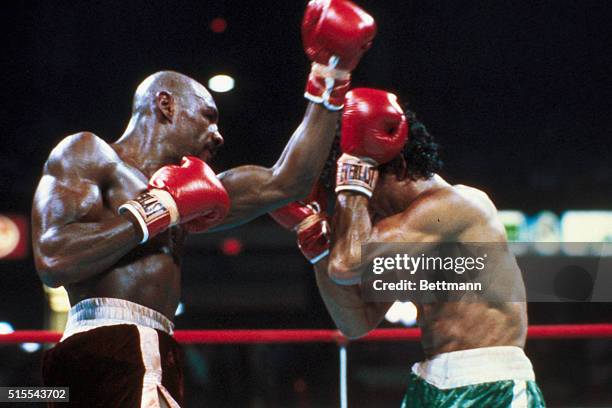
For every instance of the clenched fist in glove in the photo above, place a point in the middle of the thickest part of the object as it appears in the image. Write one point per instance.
(309, 220)
(181, 194)
(374, 131)
(335, 33)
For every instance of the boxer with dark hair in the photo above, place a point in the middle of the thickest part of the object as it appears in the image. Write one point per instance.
(109, 220)
(388, 192)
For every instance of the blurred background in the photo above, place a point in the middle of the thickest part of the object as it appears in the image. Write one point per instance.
(518, 94)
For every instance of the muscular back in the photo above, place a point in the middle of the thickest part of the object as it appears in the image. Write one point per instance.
(81, 243)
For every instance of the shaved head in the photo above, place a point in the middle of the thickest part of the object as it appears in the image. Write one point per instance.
(174, 113)
(182, 88)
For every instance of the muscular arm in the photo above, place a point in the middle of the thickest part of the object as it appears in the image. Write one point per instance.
(352, 315)
(339, 276)
(256, 190)
(71, 241)
(339, 279)
(435, 216)
(440, 215)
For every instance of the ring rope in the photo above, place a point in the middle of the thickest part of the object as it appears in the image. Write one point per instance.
(549, 332)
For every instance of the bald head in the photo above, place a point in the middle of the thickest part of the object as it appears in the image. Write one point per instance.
(175, 114)
(182, 88)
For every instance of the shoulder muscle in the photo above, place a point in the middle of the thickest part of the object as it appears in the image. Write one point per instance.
(70, 186)
(83, 155)
(440, 215)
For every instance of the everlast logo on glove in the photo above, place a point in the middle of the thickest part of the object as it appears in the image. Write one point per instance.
(154, 210)
(355, 174)
(151, 208)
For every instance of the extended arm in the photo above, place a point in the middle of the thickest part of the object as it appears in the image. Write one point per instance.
(335, 36)
(255, 190)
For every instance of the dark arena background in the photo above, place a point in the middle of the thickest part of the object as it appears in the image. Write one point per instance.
(517, 93)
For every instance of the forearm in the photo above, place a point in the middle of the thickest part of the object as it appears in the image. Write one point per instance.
(256, 190)
(352, 228)
(79, 251)
(351, 314)
(343, 303)
(306, 152)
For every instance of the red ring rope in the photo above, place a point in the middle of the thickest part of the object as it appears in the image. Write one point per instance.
(551, 332)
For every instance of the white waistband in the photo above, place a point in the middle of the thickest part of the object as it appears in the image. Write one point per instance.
(475, 366)
(97, 312)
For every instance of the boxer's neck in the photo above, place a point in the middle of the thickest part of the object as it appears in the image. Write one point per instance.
(395, 196)
(144, 145)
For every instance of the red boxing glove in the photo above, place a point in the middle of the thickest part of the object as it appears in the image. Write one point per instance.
(373, 125)
(335, 33)
(374, 131)
(179, 194)
(310, 223)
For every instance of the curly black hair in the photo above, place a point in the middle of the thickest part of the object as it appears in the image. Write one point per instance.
(419, 159)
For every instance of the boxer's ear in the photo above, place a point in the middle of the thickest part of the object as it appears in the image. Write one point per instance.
(165, 104)
(397, 167)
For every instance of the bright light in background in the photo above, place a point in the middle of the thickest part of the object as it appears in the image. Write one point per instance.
(30, 347)
(585, 226)
(9, 236)
(402, 312)
(221, 83)
(180, 309)
(58, 299)
(6, 328)
(545, 231)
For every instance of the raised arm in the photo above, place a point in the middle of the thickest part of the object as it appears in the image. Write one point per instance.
(71, 241)
(335, 34)
(374, 131)
(255, 190)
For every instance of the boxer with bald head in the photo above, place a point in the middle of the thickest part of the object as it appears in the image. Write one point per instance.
(109, 220)
(389, 192)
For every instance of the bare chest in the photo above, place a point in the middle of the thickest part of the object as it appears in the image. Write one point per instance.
(124, 184)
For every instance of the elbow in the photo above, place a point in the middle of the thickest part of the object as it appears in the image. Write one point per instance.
(50, 278)
(354, 333)
(303, 187)
(292, 186)
(296, 190)
(52, 272)
(356, 328)
(342, 272)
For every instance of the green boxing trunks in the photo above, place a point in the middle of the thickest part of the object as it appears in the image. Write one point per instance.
(488, 377)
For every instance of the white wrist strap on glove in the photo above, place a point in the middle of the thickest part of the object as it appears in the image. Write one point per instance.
(356, 174)
(329, 77)
(154, 210)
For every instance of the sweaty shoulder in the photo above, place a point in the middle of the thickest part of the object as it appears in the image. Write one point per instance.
(480, 214)
(82, 155)
(448, 213)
